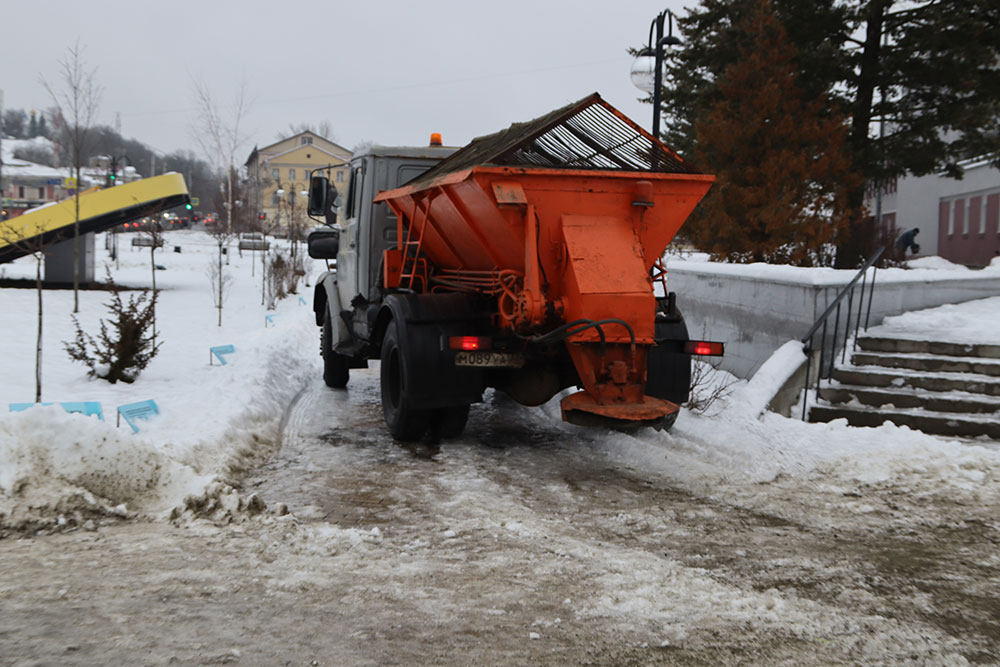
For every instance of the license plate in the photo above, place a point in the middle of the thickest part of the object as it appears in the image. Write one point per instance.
(489, 359)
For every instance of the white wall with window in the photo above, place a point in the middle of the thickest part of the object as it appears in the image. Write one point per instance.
(921, 201)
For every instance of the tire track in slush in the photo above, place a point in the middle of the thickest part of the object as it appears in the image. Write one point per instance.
(520, 490)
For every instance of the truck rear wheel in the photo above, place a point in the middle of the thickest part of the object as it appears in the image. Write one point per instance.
(668, 372)
(404, 422)
(335, 370)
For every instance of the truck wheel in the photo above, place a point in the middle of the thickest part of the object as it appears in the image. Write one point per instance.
(668, 373)
(335, 370)
(449, 422)
(403, 421)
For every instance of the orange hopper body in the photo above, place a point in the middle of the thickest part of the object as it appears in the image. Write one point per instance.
(553, 246)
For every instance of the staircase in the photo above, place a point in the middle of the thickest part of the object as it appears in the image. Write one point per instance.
(940, 388)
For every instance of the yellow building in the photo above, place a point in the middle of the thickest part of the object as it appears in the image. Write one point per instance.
(279, 175)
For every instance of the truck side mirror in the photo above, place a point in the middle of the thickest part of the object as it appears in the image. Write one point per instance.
(324, 243)
(318, 186)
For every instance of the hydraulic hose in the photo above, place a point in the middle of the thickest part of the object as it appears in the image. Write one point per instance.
(576, 326)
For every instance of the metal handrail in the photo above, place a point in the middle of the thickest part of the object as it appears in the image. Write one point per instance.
(820, 325)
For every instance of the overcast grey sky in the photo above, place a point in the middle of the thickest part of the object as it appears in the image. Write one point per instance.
(390, 72)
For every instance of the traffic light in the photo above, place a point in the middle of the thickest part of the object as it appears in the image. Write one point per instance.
(187, 206)
(262, 216)
(113, 177)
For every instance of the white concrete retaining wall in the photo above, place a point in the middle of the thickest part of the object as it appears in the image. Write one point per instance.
(755, 309)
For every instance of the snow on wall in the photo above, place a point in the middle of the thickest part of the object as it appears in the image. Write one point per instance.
(756, 308)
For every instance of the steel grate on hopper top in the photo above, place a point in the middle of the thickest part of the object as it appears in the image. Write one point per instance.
(588, 134)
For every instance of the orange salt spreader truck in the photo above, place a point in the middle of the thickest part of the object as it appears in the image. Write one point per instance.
(528, 261)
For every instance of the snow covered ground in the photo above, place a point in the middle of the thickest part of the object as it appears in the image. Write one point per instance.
(738, 537)
(216, 421)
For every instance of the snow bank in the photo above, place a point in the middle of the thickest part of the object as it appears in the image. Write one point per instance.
(770, 378)
(741, 453)
(54, 463)
(214, 420)
(935, 263)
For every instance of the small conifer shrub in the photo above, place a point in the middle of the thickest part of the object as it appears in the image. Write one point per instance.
(125, 345)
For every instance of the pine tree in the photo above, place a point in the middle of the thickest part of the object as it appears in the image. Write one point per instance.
(125, 345)
(928, 68)
(32, 125)
(780, 162)
(713, 38)
(43, 130)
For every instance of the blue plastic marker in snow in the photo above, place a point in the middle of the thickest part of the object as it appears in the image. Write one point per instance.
(218, 351)
(133, 412)
(21, 407)
(302, 301)
(269, 319)
(86, 408)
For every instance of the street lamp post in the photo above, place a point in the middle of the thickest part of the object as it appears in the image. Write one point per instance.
(281, 197)
(647, 70)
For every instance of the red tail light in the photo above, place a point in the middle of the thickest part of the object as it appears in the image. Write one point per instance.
(469, 343)
(704, 348)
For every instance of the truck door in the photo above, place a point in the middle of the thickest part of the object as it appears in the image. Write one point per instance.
(347, 255)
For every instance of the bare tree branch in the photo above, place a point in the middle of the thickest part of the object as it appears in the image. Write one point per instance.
(220, 137)
(76, 101)
(16, 233)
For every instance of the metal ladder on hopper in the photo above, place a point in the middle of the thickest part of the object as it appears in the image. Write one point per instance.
(414, 268)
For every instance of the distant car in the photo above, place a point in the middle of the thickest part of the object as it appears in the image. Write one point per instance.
(146, 224)
(139, 225)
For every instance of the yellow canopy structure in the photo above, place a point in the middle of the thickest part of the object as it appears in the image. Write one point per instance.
(99, 210)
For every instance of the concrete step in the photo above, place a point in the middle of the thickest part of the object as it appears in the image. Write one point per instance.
(936, 423)
(873, 376)
(880, 344)
(958, 402)
(928, 362)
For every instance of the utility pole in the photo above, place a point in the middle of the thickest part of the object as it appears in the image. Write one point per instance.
(114, 158)
(1, 152)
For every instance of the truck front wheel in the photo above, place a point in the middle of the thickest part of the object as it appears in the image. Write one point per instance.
(335, 370)
(404, 422)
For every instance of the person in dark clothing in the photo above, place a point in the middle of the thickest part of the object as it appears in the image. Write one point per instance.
(907, 241)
